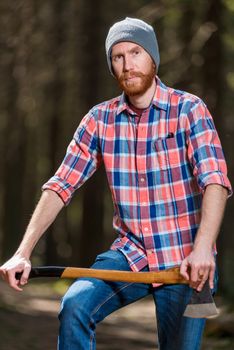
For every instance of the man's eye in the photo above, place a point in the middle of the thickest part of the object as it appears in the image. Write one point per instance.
(116, 58)
(136, 52)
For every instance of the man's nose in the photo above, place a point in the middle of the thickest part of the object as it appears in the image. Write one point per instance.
(128, 64)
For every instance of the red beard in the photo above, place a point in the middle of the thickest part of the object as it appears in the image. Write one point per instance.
(139, 87)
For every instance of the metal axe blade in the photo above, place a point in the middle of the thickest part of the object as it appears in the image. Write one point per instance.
(201, 304)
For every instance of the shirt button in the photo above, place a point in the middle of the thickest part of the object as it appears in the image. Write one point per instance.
(144, 203)
(142, 179)
(146, 229)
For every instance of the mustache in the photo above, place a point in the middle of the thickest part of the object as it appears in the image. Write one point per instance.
(128, 75)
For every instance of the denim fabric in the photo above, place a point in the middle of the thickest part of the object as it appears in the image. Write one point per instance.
(88, 301)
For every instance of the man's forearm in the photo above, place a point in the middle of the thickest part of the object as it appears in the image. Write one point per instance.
(199, 265)
(45, 213)
(213, 206)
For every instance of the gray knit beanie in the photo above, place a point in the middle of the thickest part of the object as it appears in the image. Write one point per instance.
(136, 31)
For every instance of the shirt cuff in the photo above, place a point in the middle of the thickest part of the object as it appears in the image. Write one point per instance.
(216, 178)
(62, 188)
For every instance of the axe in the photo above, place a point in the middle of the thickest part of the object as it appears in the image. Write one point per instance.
(201, 304)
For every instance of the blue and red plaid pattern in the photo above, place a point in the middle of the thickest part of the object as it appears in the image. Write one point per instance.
(157, 166)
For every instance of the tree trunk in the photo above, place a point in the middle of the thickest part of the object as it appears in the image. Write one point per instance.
(20, 27)
(92, 229)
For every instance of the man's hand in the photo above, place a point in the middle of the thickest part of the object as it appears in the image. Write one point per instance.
(46, 211)
(16, 264)
(197, 267)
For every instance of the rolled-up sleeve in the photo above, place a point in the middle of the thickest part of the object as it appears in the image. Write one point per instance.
(204, 149)
(82, 159)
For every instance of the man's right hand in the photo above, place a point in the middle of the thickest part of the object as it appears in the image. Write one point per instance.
(8, 270)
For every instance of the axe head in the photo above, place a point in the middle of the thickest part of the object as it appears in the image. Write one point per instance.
(201, 304)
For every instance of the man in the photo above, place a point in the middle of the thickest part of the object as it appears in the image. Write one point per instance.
(168, 179)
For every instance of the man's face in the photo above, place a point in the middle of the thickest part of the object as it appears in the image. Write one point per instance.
(133, 68)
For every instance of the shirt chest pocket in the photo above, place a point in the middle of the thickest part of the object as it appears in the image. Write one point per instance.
(167, 152)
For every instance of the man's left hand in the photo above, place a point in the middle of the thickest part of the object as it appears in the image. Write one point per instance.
(197, 267)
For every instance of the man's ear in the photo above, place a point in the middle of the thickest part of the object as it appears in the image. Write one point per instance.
(113, 71)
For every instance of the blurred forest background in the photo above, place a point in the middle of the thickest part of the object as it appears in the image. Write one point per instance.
(53, 70)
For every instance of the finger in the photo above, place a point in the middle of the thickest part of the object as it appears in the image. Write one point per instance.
(184, 269)
(2, 274)
(202, 282)
(25, 275)
(203, 275)
(211, 276)
(12, 281)
(2, 271)
(194, 276)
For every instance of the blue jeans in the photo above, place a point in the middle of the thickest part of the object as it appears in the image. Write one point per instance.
(88, 301)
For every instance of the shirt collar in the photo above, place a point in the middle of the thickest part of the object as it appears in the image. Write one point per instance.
(123, 104)
(160, 98)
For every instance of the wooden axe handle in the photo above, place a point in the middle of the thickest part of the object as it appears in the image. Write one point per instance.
(169, 276)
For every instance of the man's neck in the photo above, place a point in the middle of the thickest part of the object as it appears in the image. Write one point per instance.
(143, 101)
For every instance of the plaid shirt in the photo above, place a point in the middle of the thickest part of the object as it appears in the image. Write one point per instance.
(157, 167)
